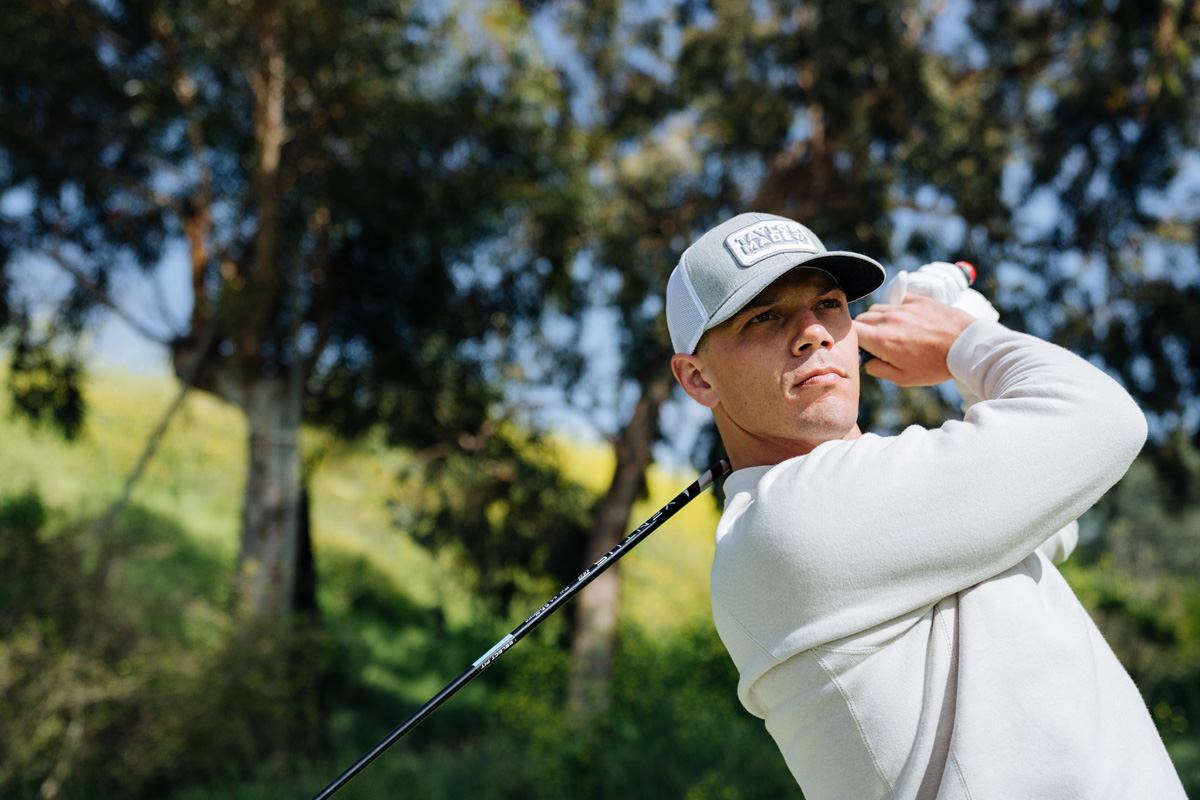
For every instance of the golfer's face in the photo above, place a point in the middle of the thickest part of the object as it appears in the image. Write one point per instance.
(786, 366)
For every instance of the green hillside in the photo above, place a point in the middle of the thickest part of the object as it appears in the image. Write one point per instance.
(197, 473)
(397, 625)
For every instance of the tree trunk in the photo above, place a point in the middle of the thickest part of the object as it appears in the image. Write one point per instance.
(267, 565)
(588, 690)
(269, 387)
(304, 598)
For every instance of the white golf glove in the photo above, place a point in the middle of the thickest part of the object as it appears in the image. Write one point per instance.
(947, 283)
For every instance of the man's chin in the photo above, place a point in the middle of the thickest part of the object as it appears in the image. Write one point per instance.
(835, 423)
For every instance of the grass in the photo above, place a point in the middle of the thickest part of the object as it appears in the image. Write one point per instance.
(197, 475)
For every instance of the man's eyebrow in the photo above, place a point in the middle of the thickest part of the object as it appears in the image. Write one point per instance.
(760, 301)
(765, 300)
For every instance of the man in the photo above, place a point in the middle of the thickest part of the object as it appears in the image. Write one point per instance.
(884, 598)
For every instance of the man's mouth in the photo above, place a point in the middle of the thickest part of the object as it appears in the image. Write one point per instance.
(822, 377)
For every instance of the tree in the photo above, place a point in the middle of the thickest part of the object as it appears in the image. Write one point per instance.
(372, 195)
(1106, 104)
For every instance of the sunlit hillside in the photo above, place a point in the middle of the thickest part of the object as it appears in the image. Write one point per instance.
(196, 475)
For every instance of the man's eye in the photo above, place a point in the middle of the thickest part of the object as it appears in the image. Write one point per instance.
(830, 302)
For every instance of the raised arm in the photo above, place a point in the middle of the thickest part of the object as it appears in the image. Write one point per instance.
(857, 533)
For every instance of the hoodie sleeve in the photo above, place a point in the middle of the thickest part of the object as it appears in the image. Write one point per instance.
(860, 532)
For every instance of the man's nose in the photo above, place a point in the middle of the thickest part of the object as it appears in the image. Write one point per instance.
(811, 333)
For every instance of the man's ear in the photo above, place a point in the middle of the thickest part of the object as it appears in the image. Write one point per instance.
(689, 372)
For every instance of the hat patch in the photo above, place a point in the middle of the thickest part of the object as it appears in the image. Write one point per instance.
(755, 242)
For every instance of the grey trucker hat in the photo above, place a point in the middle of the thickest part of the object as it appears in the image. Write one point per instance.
(728, 266)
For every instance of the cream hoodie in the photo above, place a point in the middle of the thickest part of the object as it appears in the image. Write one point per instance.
(893, 620)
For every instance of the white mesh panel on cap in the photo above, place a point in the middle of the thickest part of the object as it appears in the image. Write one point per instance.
(686, 316)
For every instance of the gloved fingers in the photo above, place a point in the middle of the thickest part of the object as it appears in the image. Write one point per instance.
(976, 305)
(893, 293)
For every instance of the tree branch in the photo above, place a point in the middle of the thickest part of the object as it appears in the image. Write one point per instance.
(103, 298)
(197, 215)
(105, 523)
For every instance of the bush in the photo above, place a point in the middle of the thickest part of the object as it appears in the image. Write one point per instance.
(122, 674)
(675, 730)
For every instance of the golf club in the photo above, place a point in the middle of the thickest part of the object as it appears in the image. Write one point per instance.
(607, 560)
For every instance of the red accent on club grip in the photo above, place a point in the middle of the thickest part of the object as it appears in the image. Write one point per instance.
(969, 269)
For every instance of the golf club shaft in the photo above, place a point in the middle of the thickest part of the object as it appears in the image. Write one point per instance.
(588, 575)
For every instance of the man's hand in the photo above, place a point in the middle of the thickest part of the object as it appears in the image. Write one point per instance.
(910, 341)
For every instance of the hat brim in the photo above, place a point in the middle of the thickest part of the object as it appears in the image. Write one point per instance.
(856, 274)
